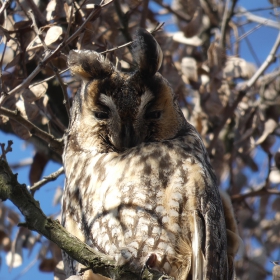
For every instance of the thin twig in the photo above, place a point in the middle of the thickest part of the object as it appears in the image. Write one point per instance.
(251, 48)
(7, 150)
(262, 191)
(180, 15)
(145, 5)
(116, 48)
(70, 21)
(54, 69)
(5, 5)
(47, 179)
(243, 88)
(55, 144)
(49, 78)
(228, 14)
(242, 12)
(1, 65)
(19, 89)
(123, 18)
(39, 16)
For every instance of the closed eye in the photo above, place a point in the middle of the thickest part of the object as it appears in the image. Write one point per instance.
(101, 115)
(153, 115)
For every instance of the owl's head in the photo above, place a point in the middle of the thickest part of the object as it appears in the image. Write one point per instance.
(115, 111)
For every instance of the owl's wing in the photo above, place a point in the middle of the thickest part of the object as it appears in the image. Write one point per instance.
(197, 255)
(209, 256)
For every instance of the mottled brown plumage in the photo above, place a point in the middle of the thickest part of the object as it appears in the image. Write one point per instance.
(139, 184)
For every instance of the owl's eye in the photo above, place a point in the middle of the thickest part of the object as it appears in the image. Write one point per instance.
(101, 115)
(153, 115)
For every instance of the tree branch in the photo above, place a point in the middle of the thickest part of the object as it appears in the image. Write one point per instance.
(243, 88)
(5, 5)
(47, 179)
(55, 144)
(18, 89)
(259, 192)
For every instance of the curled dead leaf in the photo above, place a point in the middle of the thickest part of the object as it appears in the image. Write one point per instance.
(269, 127)
(37, 167)
(237, 67)
(194, 26)
(216, 58)
(14, 62)
(27, 110)
(181, 38)
(47, 265)
(55, 10)
(35, 92)
(20, 130)
(6, 244)
(53, 35)
(189, 69)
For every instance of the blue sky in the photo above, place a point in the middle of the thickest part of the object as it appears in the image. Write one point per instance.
(262, 42)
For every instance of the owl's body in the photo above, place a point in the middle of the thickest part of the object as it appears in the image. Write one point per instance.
(138, 179)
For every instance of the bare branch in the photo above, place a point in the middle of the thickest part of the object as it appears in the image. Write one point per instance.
(228, 14)
(259, 192)
(39, 16)
(145, 4)
(47, 179)
(242, 12)
(178, 14)
(7, 150)
(19, 89)
(55, 144)
(243, 88)
(5, 5)
(123, 18)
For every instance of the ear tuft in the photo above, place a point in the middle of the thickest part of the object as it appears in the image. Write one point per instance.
(146, 53)
(89, 64)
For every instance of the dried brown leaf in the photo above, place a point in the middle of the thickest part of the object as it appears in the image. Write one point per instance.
(22, 24)
(6, 243)
(20, 130)
(269, 127)
(181, 38)
(34, 45)
(27, 110)
(216, 58)
(35, 92)
(53, 35)
(189, 69)
(55, 10)
(194, 26)
(47, 265)
(37, 167)
(15, 60)
(237, 67)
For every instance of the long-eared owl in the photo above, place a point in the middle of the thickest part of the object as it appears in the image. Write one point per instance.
(138, 178)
